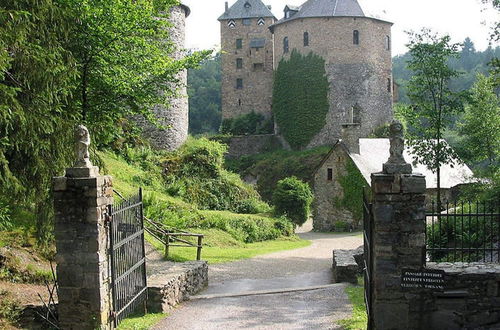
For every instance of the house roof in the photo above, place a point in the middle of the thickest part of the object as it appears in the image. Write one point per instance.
(247, 9)
(374, 152)
(330, 8)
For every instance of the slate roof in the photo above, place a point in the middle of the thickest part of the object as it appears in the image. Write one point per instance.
(329, 8)
(374, 152)
(238, 10)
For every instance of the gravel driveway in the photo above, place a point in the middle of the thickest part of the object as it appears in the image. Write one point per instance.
(280, 271)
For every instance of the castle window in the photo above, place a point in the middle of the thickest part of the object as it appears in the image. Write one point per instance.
(329, 174)
(387, 42)
(239, 83)
(231, 23)
(239, 63)
(306, 39)
(258, 67)
(239, 43)
(356, 114)
(355, 37)
(389, 85)
(247, 21)
(261, 21)
(285, 45)
(239, 102)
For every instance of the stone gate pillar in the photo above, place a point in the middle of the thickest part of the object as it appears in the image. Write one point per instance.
(80, 200)
(398, 237)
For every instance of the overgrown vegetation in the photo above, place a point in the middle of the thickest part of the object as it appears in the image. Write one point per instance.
(10, 309)
(250, 124)
(352, 184)
(300, 98)
(292, 198)
(269, 168)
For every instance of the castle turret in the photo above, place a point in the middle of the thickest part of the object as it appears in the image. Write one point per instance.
(247, 58)
(174, 117)
(356, 47)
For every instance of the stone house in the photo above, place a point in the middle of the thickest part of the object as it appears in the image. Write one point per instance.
(339, 179)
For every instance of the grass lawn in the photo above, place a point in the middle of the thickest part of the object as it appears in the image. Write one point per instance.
(141, 321)
(359, 319)
(228, 249)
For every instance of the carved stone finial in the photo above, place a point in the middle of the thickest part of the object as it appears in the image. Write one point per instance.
(82, 144)
(396, 163)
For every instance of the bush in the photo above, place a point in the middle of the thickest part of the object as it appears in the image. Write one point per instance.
(341, 226)
(5, 216)
(293, 198)
(249, 124)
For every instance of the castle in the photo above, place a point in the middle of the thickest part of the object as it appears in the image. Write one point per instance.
(356, 48)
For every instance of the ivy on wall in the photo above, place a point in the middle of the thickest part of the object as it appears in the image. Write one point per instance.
(352, 184)
(300, 98)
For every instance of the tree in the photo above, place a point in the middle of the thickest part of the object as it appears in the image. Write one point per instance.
(204, 97)
(433, 104)
(125, 58)
(480, 125)
(293, 198)
(37, 78)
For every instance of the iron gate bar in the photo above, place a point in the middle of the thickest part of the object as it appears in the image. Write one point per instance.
(127, 254)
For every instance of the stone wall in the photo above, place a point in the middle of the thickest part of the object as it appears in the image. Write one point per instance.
(247, 145)
(174, 117)
(329, 193)
(256, 93)
(359, 75)
(471, 299)
(171, 286)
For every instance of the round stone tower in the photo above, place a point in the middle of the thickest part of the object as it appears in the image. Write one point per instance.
(356, 47)
(175, 116)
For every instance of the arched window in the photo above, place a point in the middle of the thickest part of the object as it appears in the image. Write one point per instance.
(387, 42)
(285, 45)
(355, 37)
(306, 39)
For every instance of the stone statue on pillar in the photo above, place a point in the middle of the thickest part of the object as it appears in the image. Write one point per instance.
(83, 167)
(396, 163)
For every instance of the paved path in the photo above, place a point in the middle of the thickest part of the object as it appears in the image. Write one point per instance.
(281, 271)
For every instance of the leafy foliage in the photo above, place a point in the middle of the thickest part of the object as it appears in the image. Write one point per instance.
(293, 198)
(352, 184)
(249, 124)
(269, 168)
(480, 125)
(433, 103)
(195, 173)
(204, 86)
(300, 98)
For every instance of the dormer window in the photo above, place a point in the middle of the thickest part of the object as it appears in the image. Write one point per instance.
(247, 5)
(261, 21)
(231, 23)
(290, 11)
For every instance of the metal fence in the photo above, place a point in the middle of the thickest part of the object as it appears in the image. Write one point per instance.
(463, 232)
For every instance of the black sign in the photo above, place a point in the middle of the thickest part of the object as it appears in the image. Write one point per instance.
(423, 279)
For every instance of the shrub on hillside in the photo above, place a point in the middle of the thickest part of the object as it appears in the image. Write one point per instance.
(195, 173)
(293, 198)
(251, 123)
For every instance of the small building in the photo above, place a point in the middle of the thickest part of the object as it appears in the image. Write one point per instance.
(339, 180)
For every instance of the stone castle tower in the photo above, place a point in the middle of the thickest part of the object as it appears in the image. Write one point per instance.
(247, 59)
(174, 117)
(355, 45)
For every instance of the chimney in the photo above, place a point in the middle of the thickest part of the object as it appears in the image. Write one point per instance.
(350, 137)
(227, 7)
(269, 7)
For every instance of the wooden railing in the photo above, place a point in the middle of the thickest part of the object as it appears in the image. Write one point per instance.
(168, 235)
(171, 237)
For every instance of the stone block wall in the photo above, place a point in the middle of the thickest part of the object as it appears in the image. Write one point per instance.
(82, 246)
(471, 299)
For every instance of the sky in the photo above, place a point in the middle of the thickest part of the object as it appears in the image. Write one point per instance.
(458, 18)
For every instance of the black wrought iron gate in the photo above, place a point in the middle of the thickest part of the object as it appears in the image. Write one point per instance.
(128, 258)
(368, 255)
